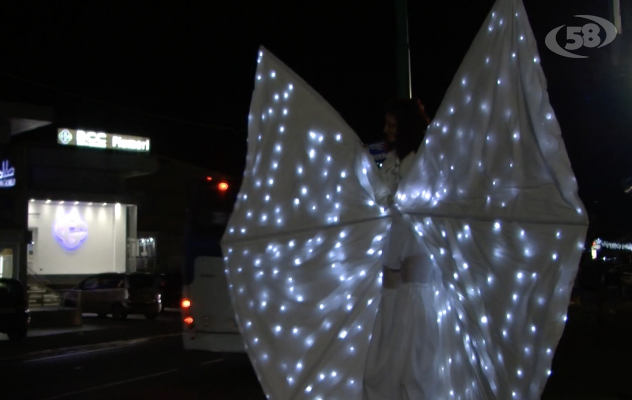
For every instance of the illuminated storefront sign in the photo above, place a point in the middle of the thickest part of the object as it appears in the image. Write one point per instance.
(599, 244)
(7, 175)
(101, 140)
(70, 231)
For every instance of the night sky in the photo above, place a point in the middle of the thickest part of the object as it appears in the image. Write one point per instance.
(182, 72)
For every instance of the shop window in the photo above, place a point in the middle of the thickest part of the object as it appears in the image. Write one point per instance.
(146, 247)
(6, 262)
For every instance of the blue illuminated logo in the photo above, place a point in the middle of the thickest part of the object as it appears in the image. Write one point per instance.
(70, 231)
(7, 175)
(65, 136)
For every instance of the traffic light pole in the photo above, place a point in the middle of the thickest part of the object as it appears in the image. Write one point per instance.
(404, 88)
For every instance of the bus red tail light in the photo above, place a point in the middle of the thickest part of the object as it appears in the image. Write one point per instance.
(188, 320)
(186, 303)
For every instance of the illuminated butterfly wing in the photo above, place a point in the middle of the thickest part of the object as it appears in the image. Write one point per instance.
(494, 197)
(302, 245)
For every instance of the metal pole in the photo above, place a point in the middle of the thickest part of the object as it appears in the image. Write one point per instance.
(404, 88)
(617, 15)
(616, 46)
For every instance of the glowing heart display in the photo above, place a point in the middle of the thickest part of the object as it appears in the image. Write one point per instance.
(70, 231)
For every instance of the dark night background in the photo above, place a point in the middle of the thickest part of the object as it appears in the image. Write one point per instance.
(182, 73)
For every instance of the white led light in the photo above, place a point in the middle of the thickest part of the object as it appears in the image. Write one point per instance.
(286, 276)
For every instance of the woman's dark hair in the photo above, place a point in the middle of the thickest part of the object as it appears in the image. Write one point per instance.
(412, 123)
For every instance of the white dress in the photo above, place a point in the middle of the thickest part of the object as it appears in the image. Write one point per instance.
(399, 242)
(404, 340)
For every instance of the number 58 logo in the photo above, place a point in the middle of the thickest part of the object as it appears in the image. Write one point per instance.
(582, 36)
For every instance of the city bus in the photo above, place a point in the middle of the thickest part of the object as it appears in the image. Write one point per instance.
(208, 317)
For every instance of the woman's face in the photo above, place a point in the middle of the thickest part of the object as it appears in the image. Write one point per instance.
(390, 128)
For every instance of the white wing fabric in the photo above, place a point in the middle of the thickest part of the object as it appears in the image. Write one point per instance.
(303, 243)
(492, 196)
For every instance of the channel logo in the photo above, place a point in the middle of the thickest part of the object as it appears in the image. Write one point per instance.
(582, 36)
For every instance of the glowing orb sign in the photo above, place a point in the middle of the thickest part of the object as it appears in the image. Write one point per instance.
(70, 231)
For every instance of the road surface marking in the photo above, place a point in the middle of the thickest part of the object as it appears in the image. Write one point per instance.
(76, 353)
(212, 361)
(109, 385)
(76, 350)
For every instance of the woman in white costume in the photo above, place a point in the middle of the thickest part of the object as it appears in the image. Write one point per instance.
(400, 359)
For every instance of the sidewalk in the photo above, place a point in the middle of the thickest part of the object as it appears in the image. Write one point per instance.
(94, 331)
(57, 331)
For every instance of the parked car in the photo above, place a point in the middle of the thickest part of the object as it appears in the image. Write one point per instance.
(14, 313)
(117, 294)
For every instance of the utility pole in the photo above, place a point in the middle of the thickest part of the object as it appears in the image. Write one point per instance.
(616, 46)
(616, 5)
(404, 88)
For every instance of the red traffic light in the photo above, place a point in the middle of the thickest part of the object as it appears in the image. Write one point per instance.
(208, 178)
(223, 186)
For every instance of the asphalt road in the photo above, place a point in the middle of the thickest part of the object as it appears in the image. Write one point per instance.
(139, 359)
(153, 369)
(94, 330)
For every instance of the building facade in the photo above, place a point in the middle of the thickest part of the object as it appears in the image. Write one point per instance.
(78, 202)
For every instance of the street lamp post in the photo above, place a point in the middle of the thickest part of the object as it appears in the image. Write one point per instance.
(404, 88)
